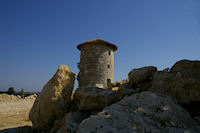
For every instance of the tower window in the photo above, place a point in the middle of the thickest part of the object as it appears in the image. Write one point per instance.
(109, 52)
(108, 66)
(109, 84)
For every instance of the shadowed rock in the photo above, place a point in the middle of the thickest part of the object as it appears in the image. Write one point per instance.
(70, 122)
(182, 83)
(94, 98)
(187, 68)
(139, 75)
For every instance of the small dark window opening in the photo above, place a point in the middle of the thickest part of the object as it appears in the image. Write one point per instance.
(108, 66)
(109, 52)
(109, 84)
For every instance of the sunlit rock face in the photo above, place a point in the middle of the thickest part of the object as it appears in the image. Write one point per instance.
(141, 112)
(54, 100)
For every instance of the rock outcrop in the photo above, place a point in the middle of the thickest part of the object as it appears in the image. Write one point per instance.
(141, 77)
(94, 98)
(150, 101)
(141, 112)
(53, 102)
(187, 69)
(138, 75)
(182, 83)
(183, 89)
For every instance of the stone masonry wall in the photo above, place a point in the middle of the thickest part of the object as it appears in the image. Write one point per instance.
(96, 65)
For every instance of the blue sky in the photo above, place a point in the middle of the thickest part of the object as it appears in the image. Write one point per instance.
(36, 36)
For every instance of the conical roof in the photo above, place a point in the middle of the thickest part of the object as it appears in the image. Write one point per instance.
(99, 42)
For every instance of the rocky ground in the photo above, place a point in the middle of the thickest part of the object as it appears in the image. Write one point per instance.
(149, 100)
(14, 111)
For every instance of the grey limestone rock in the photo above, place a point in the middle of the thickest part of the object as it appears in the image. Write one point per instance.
(141, 113)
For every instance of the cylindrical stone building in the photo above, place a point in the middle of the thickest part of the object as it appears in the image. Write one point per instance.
(96, 63)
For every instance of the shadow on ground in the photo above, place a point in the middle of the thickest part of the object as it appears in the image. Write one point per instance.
(25, 129)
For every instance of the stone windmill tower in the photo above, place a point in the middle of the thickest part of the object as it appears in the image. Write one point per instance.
(96, 63)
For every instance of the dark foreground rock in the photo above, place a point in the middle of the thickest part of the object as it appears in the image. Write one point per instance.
(142, 112)
(70, 122)
(53, 102)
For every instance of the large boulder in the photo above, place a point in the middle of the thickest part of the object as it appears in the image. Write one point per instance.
(94, 98)
(138, 75)
(141, 112)
(182, 83)
(188, 69)
(141, 77)
(183, 89)
(53, 101)
(162, 83)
